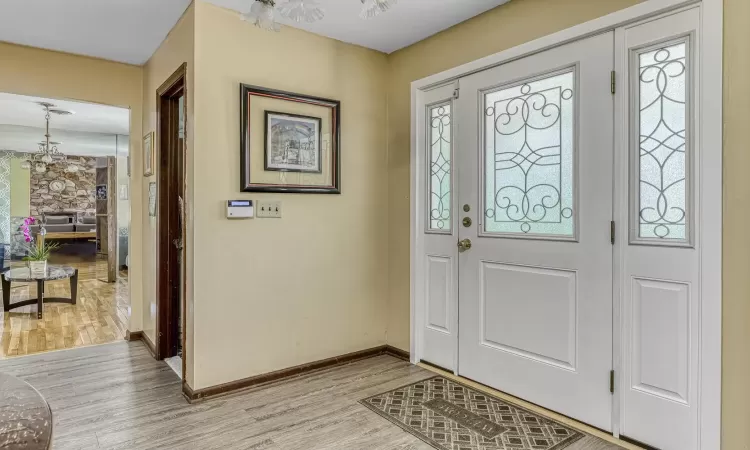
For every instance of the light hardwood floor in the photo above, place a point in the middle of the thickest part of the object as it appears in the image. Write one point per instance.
(117, 396)
(100, 316)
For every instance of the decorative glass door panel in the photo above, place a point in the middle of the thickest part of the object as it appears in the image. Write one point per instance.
(663, 151)
(529, 157)
(439, 156)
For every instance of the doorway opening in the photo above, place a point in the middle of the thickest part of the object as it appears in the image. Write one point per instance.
(170, 228)
(64, 166)
(540, 273)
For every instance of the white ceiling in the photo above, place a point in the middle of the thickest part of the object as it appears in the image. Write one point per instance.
(408, 22)
(128, 31)
(90, 131)
(25, 111)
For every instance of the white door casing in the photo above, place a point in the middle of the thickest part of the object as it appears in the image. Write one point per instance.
(535, 165)
(658, 181)
(439, 228)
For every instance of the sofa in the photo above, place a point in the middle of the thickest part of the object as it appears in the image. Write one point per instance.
(65, 223)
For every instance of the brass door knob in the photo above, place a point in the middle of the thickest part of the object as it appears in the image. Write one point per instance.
(464, 245)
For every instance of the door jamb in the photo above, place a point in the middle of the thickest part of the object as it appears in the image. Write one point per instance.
(709, 404)
(177, 81)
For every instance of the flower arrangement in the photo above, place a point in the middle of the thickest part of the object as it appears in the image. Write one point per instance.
(40, 251)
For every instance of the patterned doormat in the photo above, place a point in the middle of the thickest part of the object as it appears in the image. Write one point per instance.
(451, 416)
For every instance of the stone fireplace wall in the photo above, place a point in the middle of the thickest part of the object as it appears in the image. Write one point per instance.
(79, 193)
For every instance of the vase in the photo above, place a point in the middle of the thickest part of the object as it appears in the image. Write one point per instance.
(38, 269)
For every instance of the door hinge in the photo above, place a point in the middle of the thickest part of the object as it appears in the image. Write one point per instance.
(456, 93)
(613, 81)
(612, 232)
(611, 381)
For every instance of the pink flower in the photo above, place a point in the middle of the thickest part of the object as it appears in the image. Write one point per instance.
(25, 227)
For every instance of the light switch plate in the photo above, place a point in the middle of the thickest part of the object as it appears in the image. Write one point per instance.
(268, 210)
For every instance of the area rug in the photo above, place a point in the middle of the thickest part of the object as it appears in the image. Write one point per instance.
(451, 416)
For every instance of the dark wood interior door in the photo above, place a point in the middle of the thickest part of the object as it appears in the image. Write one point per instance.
(170, 209)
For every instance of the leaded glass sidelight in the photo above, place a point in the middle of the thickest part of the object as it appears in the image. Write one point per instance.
(529, 157)
(439, 133)
(662, 157)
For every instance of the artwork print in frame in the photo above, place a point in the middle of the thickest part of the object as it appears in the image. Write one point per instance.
(152, 199)
(148, 154)
(292, 143)
(289, 142)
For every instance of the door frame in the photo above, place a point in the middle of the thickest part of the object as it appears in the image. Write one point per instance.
(711, 72)
(166, 253)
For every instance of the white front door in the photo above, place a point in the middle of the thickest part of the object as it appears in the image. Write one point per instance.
(534, 160)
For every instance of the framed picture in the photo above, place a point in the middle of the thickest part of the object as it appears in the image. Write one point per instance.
(289, 142)
(152, 199)
(148, 154)
(292, 143)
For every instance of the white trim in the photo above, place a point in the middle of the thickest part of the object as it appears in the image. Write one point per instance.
(415, 236)
(710, 196)
(711, 202)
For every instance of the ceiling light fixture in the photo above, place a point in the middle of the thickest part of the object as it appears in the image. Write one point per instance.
(262, 13)
(302, 11)
(48, 152)
(372, 8)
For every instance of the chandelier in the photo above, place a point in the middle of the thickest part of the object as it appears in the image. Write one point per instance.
(262, 13)
(48, 152)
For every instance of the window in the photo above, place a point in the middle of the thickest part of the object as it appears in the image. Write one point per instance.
(529, 157)
(662, 143)
(440, 176)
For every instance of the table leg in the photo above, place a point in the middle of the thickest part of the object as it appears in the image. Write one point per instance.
(6, 294)
(40, 298)
(74, 286)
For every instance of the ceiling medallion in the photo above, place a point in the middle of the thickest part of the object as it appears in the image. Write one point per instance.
(48, 152)
(262, 13)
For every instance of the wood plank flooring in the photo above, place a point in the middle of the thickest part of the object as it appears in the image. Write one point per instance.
(101, 315)
(117, 396)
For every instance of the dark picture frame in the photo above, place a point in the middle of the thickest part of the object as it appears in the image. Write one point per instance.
(267, 149)
(246, 182)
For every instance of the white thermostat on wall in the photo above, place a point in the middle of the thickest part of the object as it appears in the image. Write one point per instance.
(240, 209)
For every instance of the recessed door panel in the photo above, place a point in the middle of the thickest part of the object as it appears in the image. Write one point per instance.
(439, 274)
(661, 338)
(530, 312)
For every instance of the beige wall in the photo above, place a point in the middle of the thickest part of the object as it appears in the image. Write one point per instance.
(736, 247)
(177, 48)
(501, 28)
(20, 189)
(274, 293)
(43, 73)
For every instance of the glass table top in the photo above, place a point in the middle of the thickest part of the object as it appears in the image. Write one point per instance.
(54, 272)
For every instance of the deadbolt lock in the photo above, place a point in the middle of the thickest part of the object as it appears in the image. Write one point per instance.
(464, 245)
(467, 208)
(466, 221)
